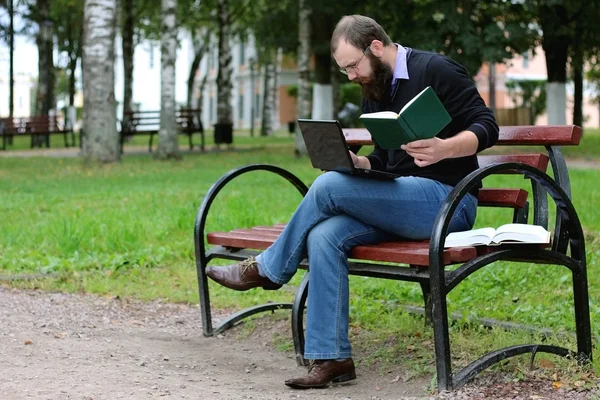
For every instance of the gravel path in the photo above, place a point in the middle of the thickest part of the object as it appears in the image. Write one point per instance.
(74, 346)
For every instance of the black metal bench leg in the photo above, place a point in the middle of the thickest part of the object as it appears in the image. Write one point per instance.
(150, 143)
(582, 316)
(521, 215)
(425, 288)
(441, 336)
(201, 263)
(297, 320)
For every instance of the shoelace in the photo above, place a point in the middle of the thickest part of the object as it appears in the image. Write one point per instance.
(247, 264)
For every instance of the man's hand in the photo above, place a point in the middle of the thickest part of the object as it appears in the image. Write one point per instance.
(427, 151)
(360, 161)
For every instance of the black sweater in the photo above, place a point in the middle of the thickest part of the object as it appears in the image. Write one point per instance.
(459, 95)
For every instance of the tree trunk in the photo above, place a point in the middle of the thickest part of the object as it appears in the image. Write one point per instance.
(11, 50)
(322, 107)
(45, 94)
(201, 44)
(577, 66)
(275, 114)
(128, 52)
(492, 86)
(168, 147)
(335, 89)
(268, 99)
(556, 45)
(578, 93)
(303, 97)
(224, 126)
(101, 142)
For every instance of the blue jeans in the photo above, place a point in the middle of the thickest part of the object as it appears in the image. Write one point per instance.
(339, 212)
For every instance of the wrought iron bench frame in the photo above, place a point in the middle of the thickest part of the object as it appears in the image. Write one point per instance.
(426, 262)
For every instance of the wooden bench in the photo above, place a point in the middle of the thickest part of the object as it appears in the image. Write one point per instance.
(424, 262)
(148, 123)
(38, 128)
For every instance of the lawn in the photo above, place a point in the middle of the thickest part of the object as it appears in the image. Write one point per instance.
(126, 229)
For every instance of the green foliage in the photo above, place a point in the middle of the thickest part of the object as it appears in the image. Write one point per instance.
(467, 31)
(532, 94)
(350, 93)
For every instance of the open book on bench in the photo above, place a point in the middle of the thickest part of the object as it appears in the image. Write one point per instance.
(505, 234)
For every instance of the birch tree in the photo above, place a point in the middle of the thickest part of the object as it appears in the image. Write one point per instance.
(167, 133)
(303, 105)
(269, 90)
(224, 126)
(101, 142)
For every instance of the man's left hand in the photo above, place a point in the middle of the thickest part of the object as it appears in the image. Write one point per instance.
(427, 151)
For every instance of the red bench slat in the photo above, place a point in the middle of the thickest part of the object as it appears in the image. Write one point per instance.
(559, 135)
(496, 197)
(416, 253)
(539, 161)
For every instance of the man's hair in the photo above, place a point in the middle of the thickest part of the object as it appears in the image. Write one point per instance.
(359, 31)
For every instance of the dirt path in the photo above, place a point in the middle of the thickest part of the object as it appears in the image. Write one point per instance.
(65, 346)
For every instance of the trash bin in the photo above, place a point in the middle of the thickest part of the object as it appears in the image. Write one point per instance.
(223, 133)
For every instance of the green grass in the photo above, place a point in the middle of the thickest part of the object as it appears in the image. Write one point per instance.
(126, 229)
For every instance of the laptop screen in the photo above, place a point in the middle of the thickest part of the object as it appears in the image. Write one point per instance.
(326, 145)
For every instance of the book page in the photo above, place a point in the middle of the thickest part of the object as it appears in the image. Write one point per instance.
(470, 238)
(381, 114)
(521, 233)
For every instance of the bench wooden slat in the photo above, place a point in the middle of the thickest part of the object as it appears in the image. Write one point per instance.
(416, 253)
(500, 197)
(543, 135)
(539, 161)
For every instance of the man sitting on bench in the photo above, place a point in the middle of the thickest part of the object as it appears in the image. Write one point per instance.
(341, 211)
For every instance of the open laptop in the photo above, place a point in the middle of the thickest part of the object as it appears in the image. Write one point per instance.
(328, 150)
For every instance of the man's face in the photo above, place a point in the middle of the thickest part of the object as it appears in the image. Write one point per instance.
(364, 68)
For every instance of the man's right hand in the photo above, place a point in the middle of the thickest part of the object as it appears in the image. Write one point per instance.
(360, 161)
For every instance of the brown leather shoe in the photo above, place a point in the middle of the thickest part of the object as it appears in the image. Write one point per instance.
(241, 276)
(323, 372)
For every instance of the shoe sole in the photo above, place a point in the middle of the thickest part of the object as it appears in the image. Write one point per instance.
(338, 379)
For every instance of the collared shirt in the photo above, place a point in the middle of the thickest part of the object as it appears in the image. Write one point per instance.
(400, 69)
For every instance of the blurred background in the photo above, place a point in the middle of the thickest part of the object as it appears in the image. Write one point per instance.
(259, 65)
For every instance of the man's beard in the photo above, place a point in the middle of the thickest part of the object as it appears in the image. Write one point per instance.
(379, 82)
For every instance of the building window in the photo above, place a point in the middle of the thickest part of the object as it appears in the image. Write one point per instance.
(242, 53)
(525, 60)
(241, 107)
(257, 104)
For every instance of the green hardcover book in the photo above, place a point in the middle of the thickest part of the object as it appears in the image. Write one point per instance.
(421, 118)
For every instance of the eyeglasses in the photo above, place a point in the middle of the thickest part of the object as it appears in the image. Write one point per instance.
(354, 66)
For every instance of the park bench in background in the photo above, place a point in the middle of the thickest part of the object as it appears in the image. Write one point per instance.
(137, 123)
(38, 128)
(425, 262)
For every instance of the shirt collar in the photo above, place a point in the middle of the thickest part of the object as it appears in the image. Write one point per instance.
(400, 69)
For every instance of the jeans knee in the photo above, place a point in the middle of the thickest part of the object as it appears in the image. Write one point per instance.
(324, 186)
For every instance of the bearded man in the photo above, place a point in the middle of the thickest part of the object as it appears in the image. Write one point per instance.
(341, 211)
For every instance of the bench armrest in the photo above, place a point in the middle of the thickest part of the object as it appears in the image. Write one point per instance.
(569, 228)
(199, 235)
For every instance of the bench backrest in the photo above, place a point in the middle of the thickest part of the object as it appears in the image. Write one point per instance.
(26, 125)
(185, 117)
(547, 136)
